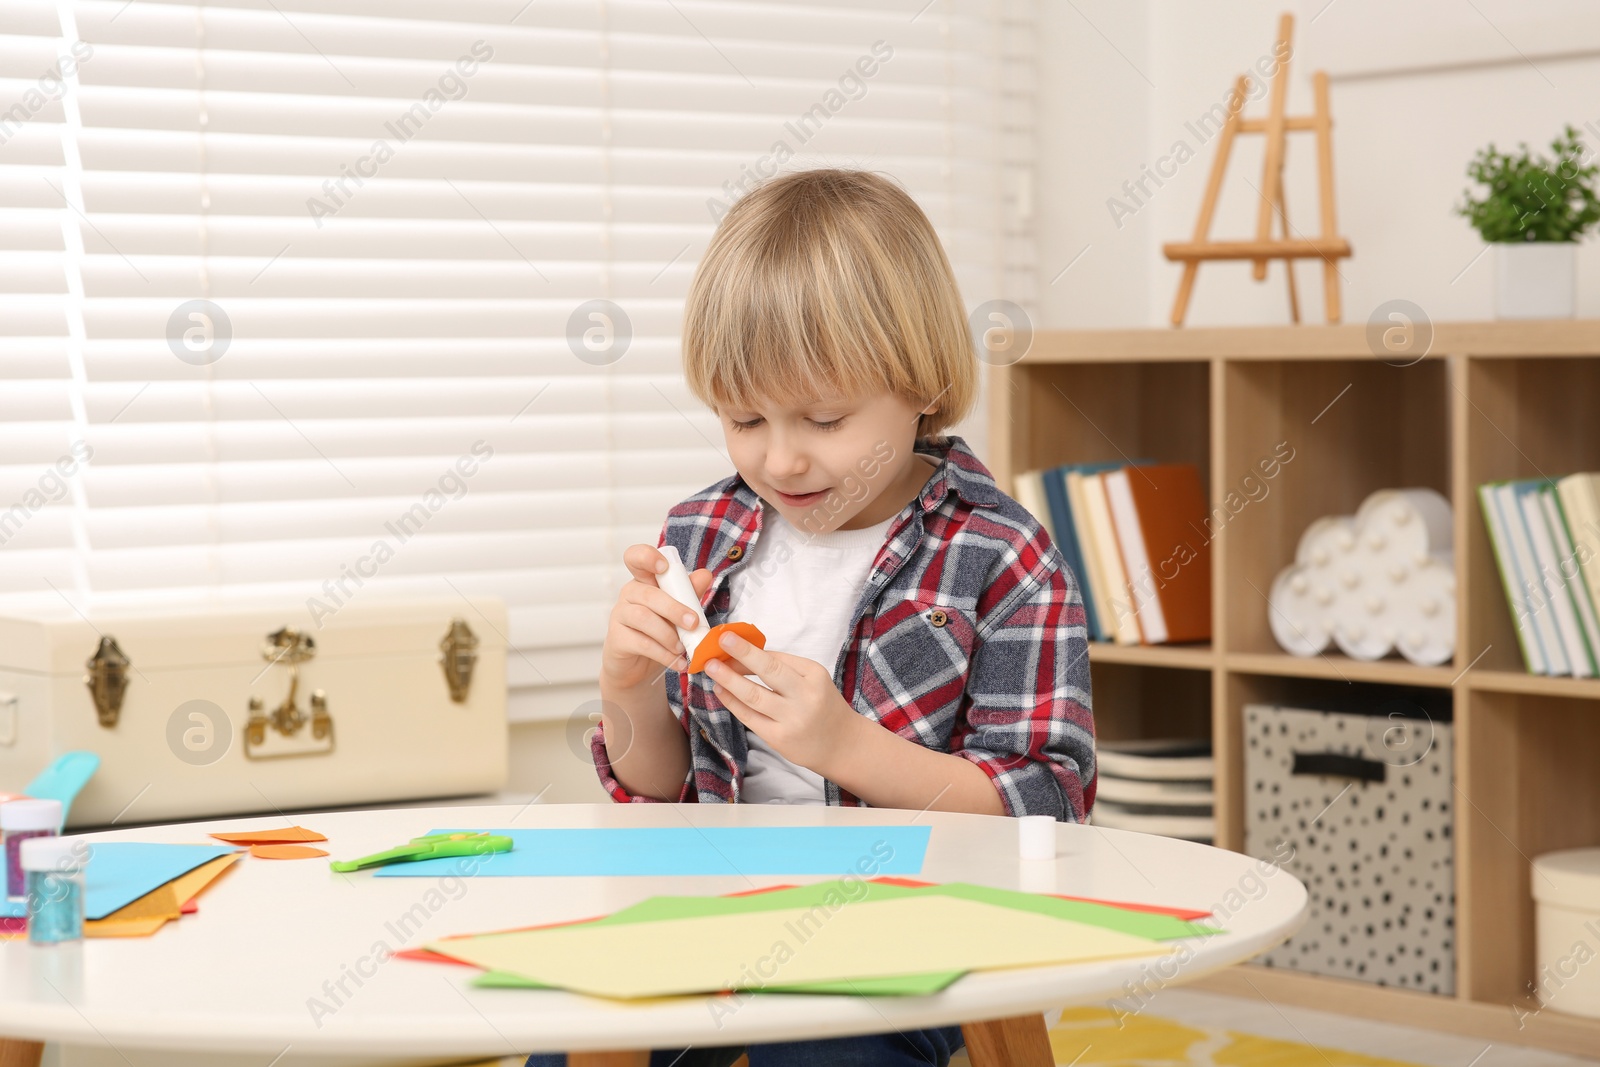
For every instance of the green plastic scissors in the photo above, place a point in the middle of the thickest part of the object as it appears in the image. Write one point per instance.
(429, 847)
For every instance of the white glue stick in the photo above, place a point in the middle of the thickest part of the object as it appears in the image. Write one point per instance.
(1036, 837)
(677, 585)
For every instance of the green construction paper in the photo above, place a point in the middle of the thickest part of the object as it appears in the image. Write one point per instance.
(904, 985)
(1150, 925)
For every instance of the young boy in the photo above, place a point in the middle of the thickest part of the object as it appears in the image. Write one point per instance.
(925, 639)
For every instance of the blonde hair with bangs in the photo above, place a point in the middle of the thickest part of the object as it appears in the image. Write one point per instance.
(828, 281)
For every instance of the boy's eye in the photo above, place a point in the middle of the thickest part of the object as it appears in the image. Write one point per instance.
(832, 424)
(752, 424)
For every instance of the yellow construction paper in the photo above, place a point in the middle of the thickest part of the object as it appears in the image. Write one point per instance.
(869, 939)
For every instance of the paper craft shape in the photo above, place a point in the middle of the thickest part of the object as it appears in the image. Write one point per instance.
(1380, 580)
(285, 852)
(725, 850)
(710, 647)
(876, 939)
(120, 872)
(287, 835)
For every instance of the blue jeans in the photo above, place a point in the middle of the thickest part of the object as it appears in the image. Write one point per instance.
(915, 1048)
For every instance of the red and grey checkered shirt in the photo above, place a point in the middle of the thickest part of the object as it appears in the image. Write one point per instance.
(969, 638)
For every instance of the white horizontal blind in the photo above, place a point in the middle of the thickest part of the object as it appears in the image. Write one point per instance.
(395, 208)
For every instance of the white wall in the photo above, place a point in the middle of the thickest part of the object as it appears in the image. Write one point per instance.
(1416, 90)
(1093, 121)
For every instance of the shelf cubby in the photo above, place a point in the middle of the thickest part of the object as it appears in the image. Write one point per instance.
(1529, 782)
(1524, 418)
(1132, 702)
(1345, 428)
(1488, 401)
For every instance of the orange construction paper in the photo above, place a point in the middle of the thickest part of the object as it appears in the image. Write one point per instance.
(710, 646)
(125, 928)
(188, 886)
(285, 852)
(160, 903)
(288, 835)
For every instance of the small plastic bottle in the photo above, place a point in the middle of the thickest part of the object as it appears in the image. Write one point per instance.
(54, 867)
(19, 821)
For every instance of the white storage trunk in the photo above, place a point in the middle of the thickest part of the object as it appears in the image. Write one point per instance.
(190, 712)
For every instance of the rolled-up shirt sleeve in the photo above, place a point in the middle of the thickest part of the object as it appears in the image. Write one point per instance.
(1027, 714)
(608, 779)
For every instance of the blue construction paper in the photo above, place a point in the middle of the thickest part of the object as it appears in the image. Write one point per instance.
(120, 872)
(865, 851)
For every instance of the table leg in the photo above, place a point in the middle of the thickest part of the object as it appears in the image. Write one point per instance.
(20, 1053)
(1020, 1041)
(602, 1059)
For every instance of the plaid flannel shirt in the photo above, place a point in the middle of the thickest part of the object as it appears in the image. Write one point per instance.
(969, 638)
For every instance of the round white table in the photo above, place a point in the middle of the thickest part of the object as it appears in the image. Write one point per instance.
(255, 970)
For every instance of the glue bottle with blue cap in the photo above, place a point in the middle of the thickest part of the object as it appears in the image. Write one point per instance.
(54, 868)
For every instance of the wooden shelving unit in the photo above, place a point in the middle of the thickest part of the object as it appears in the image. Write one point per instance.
(1489, 401)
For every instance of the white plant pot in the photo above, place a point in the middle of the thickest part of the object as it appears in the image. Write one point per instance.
(1535, 279)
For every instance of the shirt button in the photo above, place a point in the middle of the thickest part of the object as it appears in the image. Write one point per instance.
(736, 551)
(703, 735)
(938, 618)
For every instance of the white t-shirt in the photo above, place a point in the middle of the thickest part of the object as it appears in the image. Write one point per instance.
(801, 590)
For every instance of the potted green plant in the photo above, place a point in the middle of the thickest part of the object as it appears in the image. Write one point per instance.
(1534, 211)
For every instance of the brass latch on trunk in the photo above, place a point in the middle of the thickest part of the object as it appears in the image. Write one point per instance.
(460, 648)
(108, 680)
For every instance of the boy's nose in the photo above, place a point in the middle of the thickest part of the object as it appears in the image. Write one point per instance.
(785, 465)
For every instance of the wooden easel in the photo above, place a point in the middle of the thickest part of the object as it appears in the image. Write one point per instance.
(1328, 246)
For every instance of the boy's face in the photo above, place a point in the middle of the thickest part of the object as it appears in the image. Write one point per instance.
(833, 463)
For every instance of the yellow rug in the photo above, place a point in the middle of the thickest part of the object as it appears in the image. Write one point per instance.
(1094, 1037)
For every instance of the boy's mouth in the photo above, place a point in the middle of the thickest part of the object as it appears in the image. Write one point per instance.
(800, 501)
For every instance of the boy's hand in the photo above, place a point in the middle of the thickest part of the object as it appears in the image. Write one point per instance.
(803, 716)
(640, 637)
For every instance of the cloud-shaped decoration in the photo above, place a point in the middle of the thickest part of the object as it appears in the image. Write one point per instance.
(1373, 582)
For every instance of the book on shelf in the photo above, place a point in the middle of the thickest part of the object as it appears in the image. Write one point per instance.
(1544, 536)
(1135, 536)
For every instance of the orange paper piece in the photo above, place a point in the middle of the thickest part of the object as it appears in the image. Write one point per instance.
(124, 927)
(710, 646)
(288, 835)
(285, 852)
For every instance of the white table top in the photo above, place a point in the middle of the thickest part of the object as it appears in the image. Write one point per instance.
(241, 975)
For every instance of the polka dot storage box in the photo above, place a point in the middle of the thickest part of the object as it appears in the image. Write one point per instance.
(1359, 807)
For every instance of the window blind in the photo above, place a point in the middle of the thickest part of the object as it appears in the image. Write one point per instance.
(312, 298)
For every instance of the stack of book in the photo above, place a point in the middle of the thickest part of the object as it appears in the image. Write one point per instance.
(1546, 535)
(1160, 786)
(1137, 538)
